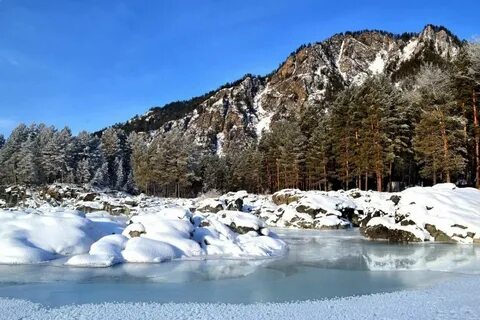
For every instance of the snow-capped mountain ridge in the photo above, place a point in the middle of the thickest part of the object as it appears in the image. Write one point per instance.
(309, 77)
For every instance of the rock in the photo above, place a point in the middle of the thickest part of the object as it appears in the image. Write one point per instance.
(240, 229)
(89, 196)
(438, 235)
(310, 211)
(286, 196)
(236, 205)
(350, 214)
(407, 222)
(135, 233)
(14, 195)
(377, 232)
(134, 230)
(395, 199)
(210, 205)
(355, 195)
(116, 209)
(356, 218)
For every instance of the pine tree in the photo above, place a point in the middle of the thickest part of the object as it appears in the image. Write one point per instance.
(439, 141)
(120, 174)
(101, 178)
(27, 167)
(473, 73)
(2, 141)
(84, 174)
(317, 158)
(140, 161)
(130, 183)
(344, 136)
(9, 154)
(57, 156)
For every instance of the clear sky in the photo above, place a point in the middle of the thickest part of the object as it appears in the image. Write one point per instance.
(91, 63)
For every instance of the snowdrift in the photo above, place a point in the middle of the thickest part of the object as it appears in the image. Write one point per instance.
(102, 240)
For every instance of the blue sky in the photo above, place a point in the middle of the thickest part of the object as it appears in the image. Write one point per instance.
(91, 63)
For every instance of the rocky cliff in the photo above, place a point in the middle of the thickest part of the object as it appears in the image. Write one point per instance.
(310, 77)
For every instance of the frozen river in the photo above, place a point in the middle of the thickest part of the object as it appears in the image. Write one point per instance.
(318, 265)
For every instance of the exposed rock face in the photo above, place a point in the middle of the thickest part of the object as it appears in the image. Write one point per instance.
(308, 77)
(438, 235)
(210, 205)
(286, 196)
(380, 232)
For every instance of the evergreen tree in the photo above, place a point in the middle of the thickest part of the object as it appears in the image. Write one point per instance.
(438, 141)
(120, 174)
(101, 178)
(9, 154)
(57, 156)
(27, 167)
(84, 174)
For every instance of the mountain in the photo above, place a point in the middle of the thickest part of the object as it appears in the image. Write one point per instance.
(309, 78)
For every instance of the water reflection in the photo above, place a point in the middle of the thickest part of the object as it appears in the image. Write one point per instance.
(348, 250)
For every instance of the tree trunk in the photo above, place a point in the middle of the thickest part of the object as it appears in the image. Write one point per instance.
(366, 181)
(379, 182)
(477, 140)
(278, 175)
(325, 176)
(445, 149)
(390, 172)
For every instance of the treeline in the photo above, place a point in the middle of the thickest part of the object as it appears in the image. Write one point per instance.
(423, 130)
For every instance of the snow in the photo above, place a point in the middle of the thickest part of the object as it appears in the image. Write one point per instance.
(263, 124)
(220, 142)
(378, 65)
(34, 237)
(453, 299)
(264, 118)
(452, 210)
(408, 50)
(240, 219)
(144, 250)
(101, 240)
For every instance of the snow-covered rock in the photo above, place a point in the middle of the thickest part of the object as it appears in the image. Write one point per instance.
(439, 213)
(102, 240)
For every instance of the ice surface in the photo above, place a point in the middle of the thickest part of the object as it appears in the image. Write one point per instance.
(319, 265)
(456, 299)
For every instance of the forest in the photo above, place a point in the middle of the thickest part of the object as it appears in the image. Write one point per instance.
(420, 131)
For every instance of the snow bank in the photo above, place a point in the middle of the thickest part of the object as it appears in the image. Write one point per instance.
(101, 240)
(439, 213)
(34, 237)
(455, 299)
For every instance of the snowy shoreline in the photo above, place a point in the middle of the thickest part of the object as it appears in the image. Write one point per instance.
(451, 299)
(145, 229)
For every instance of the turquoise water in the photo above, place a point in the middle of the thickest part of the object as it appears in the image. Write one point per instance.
(318, 265)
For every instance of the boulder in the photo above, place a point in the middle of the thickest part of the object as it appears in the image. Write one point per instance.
(286, 196)
(438, 235)
(236, 205)
(210, 205)
(89, 196)
(14, 195)
(395, 199)
(381, 232)
(116, 209)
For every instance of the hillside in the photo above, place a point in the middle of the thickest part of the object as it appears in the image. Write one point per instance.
(310, 77)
